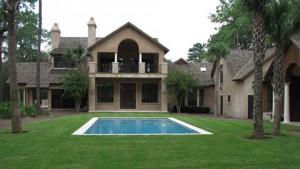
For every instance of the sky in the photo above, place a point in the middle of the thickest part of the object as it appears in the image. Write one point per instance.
(178, 24)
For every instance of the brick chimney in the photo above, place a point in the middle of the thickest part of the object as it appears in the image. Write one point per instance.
(91, 31)
(55, 36)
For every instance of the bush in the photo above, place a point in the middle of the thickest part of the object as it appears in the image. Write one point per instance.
(46, 112)
(193, 109)
(5, 110)
(28, 111)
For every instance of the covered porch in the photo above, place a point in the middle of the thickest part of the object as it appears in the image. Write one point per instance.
(127, 95)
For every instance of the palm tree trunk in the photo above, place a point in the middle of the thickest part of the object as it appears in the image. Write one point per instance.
(14, 100)
(259, 53)
(38, 59)
(217, 78)
(1, 65)
(278, 86)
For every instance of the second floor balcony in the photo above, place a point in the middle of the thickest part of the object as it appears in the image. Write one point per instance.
(115, 67)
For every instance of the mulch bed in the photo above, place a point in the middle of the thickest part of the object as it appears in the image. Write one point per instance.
(294, 132)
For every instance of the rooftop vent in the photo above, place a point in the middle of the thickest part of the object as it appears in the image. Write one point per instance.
(203, 69)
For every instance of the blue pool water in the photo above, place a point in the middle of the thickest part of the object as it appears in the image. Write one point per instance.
(137, 126)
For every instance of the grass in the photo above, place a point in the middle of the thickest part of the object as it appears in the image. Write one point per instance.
(49, 144)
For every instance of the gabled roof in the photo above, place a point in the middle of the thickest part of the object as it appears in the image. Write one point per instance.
(203, 78)
(241, 64)
(128, 24)
(235, 60)
(248, 68)
(68, 43)
(180, 62)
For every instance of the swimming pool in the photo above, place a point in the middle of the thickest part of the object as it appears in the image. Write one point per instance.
(137, 126)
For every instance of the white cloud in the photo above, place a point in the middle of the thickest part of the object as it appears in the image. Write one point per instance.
(178, 24)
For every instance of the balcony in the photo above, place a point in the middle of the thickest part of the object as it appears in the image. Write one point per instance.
(121, 68)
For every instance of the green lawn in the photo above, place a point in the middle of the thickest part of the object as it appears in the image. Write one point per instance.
(49, 144)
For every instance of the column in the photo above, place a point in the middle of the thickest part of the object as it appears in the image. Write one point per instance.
(141, 64)
(140, 58)
(286, 103)
(116, 57)
(115, 64)
(198, 97)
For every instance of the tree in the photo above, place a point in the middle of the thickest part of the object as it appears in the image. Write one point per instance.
(38, 59)
(79, 55)
(217, 51)
(12, 6)
(3, 30)
(27, 40)
(235, 29)
(284, 20)
(179, 84)
(26, 29)
(257, 7)
(197, 53)
(76, 85)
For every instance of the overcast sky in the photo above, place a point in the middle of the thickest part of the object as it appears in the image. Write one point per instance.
(178, 24)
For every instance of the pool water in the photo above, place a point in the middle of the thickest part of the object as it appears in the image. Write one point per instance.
(137, 126)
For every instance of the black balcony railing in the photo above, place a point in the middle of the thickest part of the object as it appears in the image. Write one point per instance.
(128, 68)
(151, 68)
(106, 67)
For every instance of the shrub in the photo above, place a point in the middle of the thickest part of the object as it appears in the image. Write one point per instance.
(28, 110)
(46, 112)
(193, 109)
(31, 111)
(5, 110)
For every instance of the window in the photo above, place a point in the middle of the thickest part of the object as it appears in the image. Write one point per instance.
(192, 99)
(201, 97)
(105, 92)
(150, 93)
(221, 74)
(270, 98)
(228, 99)
(60, 62)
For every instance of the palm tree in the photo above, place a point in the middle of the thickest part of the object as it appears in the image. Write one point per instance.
(257, 7)
(3, 29)
(284, 21)
(218, 51)
(79, 55)
(38, 59)
(16, 118)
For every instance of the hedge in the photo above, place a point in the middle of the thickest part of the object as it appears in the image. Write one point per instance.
(193, 109)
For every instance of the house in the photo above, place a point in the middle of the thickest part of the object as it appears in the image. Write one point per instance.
(204, 93)
(292, 81)
(235, 91)
(126, 71)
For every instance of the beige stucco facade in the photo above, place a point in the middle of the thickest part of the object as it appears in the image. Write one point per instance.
(236, 93)
(137, 46)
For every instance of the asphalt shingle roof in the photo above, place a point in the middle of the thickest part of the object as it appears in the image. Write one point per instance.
(248, 68)
(26, 72)
(203, 78)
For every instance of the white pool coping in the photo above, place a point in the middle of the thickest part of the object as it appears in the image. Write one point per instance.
(87, 125)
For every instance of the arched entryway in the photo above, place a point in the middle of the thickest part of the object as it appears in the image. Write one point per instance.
(293, 80)
(128, 56)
